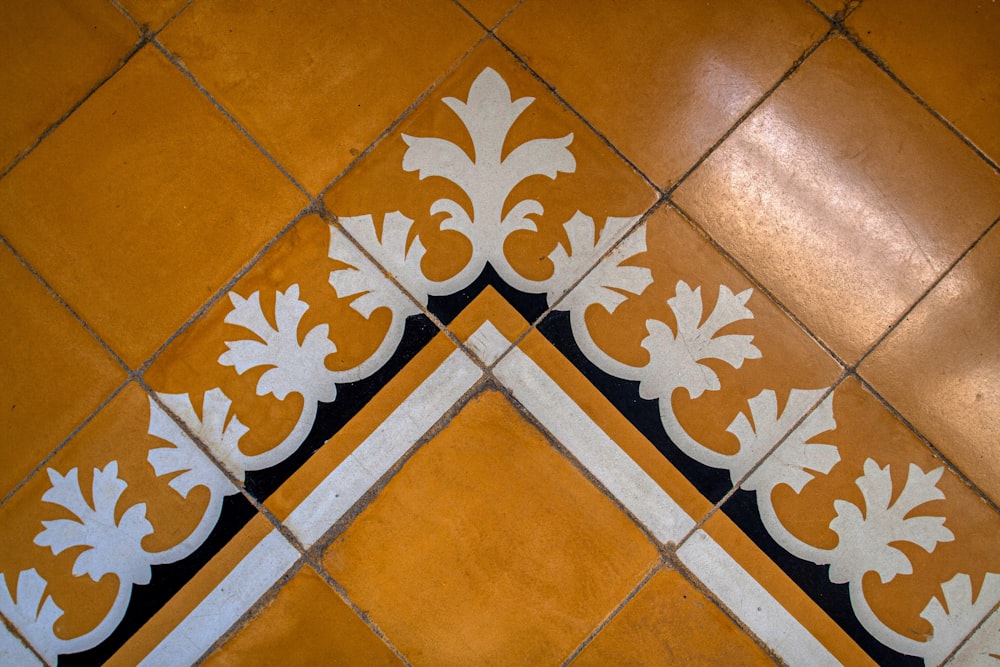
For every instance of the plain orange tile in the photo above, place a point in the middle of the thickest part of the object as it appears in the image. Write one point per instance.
(489, 11)
(832, 7)
(142, 205)
(670, 622)
(489, 547)
(54, 373)
(941, 367)
(317, 82)
(305, 624)
(115, 441)
(53, 53)
(152, 13)
(947, 53)
(663, 81)
(844, 197)
(866, 430)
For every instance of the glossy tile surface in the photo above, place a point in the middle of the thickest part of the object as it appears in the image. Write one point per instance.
(499, 332)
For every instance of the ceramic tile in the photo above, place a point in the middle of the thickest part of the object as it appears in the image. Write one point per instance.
(96, 188)
(317, 83)
(671, 621)
(55, 373)
(941, 367)
(152, 14)
(843, 197)
(488, 546)
(109, 492)
(305, 624)
(947, 54)
(836, 8)
(53, 54)
(662, 83)
(537, 236)
(910, 548)
(489, 12)
(693, 352)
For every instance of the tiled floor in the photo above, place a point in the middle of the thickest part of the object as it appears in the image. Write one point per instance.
(495, 332)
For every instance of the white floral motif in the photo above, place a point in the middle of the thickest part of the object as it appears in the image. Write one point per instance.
(34, 617)
(953, 623)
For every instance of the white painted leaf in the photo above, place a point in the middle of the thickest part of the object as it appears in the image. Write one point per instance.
(866, 537)
(674, 359)
(956, 618)
(112, 546)
(792, 462)
(293, 367)
(34, 613)
(609, 282)
(219, 435)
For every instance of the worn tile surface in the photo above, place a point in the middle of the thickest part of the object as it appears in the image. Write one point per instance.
(499, 332)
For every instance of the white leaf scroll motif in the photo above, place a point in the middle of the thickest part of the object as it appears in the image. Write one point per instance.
(675, 360)
(34, 613)
(293, 366)
(184, 457)
(793, 460)
(112, 546)
(959, 614)
(609, 283)
(866, 537)
(488, 177)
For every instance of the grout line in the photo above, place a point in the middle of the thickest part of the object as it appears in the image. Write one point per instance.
(881, 64)
(757, 284)
(489, 29)
(72, 434)
(965, 640)
(400, 118)
(226, 287)
(59, 299)
(600, 135)
(13, 630)
(738, 485)
(143, 40)
(750, 111)
(656, 569)
(317, 566)
(176, 62)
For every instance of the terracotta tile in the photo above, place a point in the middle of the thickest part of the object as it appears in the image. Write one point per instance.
(489, 12)
(305, 624)
(96, 187)
(898, 570)
(54, 53)
(113, 491)
(289, 292)
(671, 622)
(300, 83)
(700, 398)
(663, 84)
(55, 373)
(946, 54)
(406, 182)
(941, 367)
(843, 197)
(153, 13)
(489, 547)
(832, 7)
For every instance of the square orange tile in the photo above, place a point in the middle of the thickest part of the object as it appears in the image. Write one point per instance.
(946, 53)
(54, 52)
(489, 547)
(143, 204)
(54, 373)
(669, 621)
(843, 197)
(941, 367)
(306, 623)
(317, 82)
(152, 14)
(662, 81)
(489, 12)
